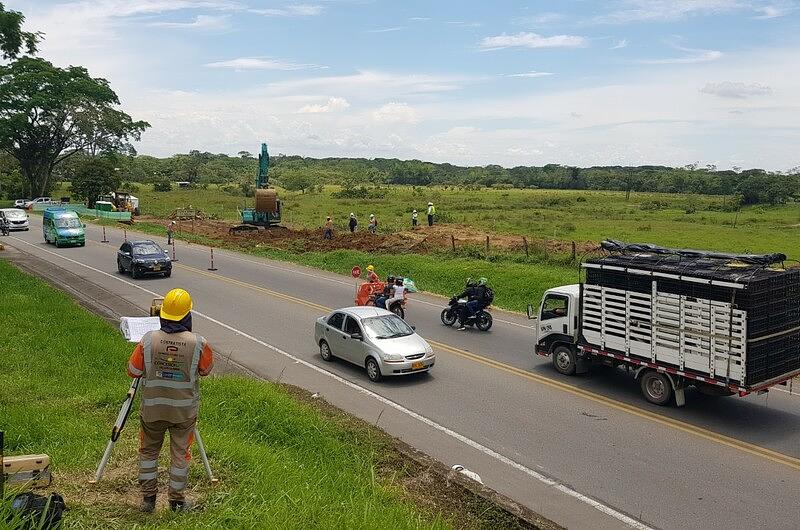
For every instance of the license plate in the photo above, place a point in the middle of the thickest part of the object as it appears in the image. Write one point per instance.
(157, 267)
(417, 365)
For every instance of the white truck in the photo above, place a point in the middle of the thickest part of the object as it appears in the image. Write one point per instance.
(723, 323)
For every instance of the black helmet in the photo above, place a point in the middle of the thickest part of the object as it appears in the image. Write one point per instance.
(471, 282)
(390, 280)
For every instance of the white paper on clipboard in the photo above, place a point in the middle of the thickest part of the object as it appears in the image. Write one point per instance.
(134, 328)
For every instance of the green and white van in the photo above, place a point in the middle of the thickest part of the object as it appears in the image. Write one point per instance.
(63, 227)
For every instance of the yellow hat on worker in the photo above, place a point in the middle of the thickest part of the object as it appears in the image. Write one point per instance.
(370, 268)
(177, 305)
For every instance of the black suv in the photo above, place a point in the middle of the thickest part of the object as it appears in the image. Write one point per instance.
(143, 257)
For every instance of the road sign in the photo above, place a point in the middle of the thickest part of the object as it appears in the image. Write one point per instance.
(356, 272)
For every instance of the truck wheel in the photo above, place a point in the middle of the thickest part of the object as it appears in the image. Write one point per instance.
(564, 360)
(656, 387)
(449, 317)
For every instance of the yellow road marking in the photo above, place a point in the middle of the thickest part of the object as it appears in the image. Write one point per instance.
(752, 449)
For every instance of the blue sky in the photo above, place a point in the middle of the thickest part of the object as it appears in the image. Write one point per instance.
(508, 82)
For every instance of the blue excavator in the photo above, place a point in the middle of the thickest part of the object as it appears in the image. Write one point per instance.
(267, 211)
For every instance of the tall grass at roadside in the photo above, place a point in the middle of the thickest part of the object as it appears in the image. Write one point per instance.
(281, 464)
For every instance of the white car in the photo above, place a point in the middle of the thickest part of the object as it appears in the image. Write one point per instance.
(375, 339)
(20, 203)
(17, 219)
(38, 200)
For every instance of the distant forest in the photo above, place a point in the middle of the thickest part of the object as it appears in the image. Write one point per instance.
(236, 174)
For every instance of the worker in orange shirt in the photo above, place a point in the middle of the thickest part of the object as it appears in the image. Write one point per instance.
(372, 277)
(169, 362)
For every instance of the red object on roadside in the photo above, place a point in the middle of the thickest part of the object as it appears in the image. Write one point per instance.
(356, 272)
(367, 291)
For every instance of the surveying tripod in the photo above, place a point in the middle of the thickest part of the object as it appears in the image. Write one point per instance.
(122, 417)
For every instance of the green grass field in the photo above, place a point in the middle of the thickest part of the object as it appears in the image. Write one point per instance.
(282, 464)
(706, 222)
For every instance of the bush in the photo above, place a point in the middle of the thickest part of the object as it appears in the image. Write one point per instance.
(580, 199)
(162, 185)
(351, 193)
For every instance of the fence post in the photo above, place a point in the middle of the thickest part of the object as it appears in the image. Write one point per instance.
(487, 246)
(104, 236)
(173, 250)
(453, 242)
(125, 234)
(525, 243)
(574, 251)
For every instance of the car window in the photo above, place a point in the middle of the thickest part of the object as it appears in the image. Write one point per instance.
(148, 248)
(68, 222)
(554, 306)
(125, 247)
(351, 326)
(336, 320)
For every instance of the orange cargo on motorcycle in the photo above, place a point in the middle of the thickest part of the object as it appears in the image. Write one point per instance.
(368, 291)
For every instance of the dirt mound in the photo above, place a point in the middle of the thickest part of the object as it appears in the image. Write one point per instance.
(423, 240)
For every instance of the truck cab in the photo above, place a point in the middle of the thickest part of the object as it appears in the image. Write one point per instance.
(556, 319)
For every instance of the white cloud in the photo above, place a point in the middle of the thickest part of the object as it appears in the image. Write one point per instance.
(386, 30)
(334, 104)
(667, 10)
(261, 63)
(691, 56)
(200, 22)
(728, 89)
(531, 74)
(531, 40)
(464, 24)
(295, 10)
(619, 44)
(396, 113)
(774, 11)
(419, 19)
(542, 19)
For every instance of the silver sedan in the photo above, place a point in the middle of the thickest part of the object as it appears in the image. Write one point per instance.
(374, 338)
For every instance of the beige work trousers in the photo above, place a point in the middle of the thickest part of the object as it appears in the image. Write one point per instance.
(151, 437)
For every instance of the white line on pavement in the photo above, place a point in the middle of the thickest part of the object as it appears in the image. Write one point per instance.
(608, 510)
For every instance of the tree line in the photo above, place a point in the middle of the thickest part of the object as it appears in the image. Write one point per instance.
(62, 124)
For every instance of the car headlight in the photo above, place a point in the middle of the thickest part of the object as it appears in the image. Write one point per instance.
(393, 357)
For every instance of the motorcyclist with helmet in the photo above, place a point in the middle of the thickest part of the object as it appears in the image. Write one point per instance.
(380, 301)
(476, 295)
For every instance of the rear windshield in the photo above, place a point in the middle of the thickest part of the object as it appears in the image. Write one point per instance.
(144, 250)
(67, 222)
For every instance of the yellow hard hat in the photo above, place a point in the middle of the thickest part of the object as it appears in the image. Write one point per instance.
(370, 268)
(177, 305)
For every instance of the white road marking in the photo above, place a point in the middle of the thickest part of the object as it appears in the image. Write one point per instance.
(563, 488)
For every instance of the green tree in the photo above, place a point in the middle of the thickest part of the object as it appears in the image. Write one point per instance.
(48, 114)
(14, 41)
(296, 181)
(95, 177)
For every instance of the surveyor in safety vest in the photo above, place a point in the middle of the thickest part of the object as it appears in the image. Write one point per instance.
(169, 362)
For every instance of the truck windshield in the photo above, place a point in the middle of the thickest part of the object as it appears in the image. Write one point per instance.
(387, 327)
(68, 222)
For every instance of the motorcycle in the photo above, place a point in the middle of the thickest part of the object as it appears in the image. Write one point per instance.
(481, 319)
(368, 292)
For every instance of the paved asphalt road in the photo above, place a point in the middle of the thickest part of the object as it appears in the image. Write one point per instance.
(586, 451)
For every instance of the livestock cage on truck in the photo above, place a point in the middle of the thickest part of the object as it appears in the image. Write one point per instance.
(727, 324)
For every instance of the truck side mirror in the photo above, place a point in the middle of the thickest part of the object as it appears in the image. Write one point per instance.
(531, 316)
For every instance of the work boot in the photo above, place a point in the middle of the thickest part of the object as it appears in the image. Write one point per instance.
(181, 506)
(148, 504)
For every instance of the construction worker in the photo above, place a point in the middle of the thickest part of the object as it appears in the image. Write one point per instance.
(170, 231)
(414, 219)
(328, 234)
(431, 213)
(372, 277)
(168, 362)
(353, 222)
(373, 223)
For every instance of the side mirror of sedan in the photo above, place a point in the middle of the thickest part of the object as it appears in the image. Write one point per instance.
(414, 328)
(357, 336)
(530, 312)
